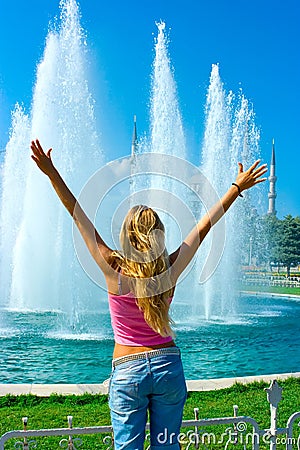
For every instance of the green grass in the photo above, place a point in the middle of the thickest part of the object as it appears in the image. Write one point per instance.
(91, 410)
(272, 289)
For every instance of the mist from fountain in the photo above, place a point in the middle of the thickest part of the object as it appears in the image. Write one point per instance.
(42, 272)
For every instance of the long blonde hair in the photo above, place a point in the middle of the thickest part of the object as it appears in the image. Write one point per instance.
(144, 259)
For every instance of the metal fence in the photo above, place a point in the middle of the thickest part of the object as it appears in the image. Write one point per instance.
(270, 280)
(243, 433)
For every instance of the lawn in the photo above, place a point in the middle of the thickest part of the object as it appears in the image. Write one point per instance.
(92, 410)
(273, 289)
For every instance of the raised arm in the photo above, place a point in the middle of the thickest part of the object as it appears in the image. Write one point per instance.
(244, 180)
(97, 247)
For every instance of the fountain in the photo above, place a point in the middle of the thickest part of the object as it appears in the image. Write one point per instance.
(41, 279)
(62, 115)
(166, 138)
(230, 136)
(38, 267)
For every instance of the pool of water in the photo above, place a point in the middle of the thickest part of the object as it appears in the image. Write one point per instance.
(261, 338)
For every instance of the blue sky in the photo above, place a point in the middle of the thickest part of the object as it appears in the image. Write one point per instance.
(255, 43)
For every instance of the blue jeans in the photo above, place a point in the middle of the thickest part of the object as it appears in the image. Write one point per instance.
(152, 383)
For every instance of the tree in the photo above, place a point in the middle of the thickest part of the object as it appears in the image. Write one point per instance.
(288, 249)
(270, 239)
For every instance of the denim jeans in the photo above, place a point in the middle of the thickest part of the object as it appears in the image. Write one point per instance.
(155, 384)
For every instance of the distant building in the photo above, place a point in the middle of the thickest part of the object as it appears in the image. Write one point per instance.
(272, 179)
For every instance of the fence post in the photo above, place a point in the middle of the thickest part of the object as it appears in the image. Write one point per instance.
(70, 441)
(274, 397)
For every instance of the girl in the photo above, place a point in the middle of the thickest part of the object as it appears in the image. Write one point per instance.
(147, 374)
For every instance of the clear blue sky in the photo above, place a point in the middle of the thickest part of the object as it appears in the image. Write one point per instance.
(256, 44)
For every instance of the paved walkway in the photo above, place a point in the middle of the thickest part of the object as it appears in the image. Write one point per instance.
(44, 390)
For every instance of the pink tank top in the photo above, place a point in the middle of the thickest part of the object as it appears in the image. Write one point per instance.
(129, 325)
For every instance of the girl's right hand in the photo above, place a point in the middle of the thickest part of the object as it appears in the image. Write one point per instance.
(43, 160)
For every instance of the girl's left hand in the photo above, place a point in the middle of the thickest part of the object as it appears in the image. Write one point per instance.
(252, 176)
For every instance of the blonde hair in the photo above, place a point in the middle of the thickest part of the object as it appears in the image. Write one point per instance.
(144, 259)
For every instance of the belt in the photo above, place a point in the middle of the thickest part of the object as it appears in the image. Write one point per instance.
(146, 355)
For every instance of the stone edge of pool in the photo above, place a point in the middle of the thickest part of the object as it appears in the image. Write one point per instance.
(44, 390)
(269, 294)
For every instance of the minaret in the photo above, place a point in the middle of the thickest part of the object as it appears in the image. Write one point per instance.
(134, 139)
(272, 178)
(134, 144)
